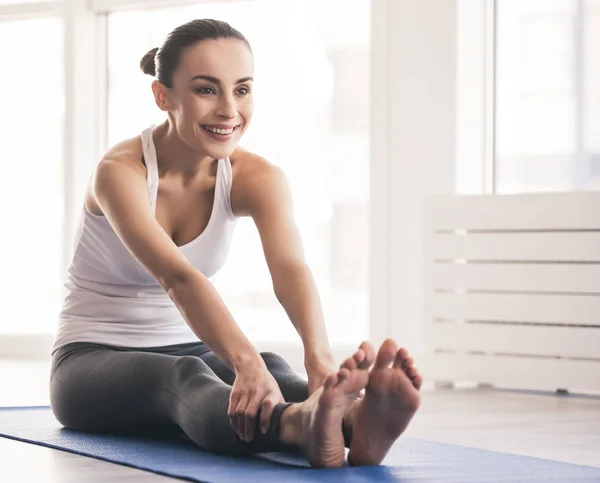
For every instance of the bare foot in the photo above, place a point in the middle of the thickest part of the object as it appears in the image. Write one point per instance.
(316, 424)
(391, 399)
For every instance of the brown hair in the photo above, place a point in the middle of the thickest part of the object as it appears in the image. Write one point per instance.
(162, 62)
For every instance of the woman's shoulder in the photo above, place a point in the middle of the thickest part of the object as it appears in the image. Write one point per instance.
(128, 152)
(255, 180)
(247, 165)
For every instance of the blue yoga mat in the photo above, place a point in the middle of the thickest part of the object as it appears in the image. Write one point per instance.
(411, 460)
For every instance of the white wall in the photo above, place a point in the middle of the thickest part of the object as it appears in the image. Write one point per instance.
(417, 140)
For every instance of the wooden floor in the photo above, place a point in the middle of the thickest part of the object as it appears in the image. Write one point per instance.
(565, 428)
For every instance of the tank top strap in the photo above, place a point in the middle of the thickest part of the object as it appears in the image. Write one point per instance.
(225, 177)
(149, 152)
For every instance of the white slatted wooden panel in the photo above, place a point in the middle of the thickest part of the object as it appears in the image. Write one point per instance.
(528, 261)
(578, 342)
(530, 372)
(550, 309)
(539, 211)
(569, 278)
(517, 246)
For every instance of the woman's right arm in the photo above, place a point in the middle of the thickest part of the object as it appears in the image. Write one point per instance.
(122, 194)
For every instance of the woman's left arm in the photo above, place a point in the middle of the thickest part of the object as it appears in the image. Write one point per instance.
(263, 193)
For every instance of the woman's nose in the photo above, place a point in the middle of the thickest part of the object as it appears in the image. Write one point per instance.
(227, 108)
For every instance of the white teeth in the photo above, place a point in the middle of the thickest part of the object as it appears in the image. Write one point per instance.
(219, 131)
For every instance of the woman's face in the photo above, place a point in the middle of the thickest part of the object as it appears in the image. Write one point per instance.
(212, 90)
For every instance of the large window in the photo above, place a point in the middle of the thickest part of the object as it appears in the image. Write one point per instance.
(31, 192)
(548, 95)
(311, 118)
(528, 96)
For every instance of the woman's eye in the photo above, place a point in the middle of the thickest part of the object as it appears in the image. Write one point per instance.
(243, 91)
(205, 90)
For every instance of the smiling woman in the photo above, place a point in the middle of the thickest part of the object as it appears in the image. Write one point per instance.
(203, 107)
(311, 119)
(146, 340)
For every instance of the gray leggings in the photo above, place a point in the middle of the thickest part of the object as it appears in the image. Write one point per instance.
(103, 388)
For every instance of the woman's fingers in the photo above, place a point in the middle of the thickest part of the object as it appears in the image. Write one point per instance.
(240, 416)
(265, 414)
(250, 417)
(234, 400)
(249, 396)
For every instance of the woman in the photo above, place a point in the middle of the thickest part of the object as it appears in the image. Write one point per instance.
(144, 338)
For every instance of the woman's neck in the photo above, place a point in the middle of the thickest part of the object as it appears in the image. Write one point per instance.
(174, 155)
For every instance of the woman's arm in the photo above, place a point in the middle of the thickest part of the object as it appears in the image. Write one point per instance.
(262, 192)
(122, 194)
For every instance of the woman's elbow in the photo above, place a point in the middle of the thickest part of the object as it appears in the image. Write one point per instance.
(172, 280)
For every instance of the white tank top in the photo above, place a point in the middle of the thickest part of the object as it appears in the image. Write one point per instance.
(112, 298)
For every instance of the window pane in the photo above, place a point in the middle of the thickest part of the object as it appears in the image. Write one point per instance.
(311, 118)
(31, 196)
(547, 100)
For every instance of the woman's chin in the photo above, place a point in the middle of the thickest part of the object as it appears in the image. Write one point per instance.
(221, 152)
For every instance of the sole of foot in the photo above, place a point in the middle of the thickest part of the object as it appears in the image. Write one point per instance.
(321, 415)
(391, 399)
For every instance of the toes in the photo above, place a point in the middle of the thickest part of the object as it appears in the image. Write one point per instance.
(387, 353)
(400, 358)
(370, 354)
(342, 375)
(359, 356)
(330, 381)
(412, 372)
(350, 363)
(417, 381)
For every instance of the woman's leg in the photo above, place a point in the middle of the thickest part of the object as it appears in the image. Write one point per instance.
(101, 389)
(293, 387)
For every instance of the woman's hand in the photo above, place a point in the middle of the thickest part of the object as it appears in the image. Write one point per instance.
(254, 388)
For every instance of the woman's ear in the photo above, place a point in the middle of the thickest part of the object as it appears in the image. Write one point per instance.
(160, 95)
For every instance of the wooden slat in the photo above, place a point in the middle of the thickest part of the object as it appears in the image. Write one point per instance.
(539, 230)
(572, 247)
(537, 211)
(557, 309)
(572, 278)
(531, 373)
(576, 342)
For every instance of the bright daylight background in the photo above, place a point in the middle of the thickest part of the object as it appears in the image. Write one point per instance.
(311, 118)
(312, 96)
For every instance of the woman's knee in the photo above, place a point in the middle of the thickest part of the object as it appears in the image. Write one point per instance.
(188, 367)
(188, 374)
(275, 361)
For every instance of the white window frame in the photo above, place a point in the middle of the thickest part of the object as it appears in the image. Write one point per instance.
(85, 67)
(489, 17)
(490, 9)
(476, 96)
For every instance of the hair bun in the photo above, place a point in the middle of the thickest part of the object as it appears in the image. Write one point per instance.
(148, 63)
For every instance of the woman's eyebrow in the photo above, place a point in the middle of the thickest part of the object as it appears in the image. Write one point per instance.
(214, 80)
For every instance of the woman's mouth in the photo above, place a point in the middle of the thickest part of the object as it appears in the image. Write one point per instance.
(220, 134)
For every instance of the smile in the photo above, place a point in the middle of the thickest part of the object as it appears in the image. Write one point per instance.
(222, 132)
